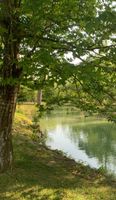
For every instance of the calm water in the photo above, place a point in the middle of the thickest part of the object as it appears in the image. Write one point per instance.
(91, 141)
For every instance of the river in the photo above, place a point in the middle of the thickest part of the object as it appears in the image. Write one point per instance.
(89, 140)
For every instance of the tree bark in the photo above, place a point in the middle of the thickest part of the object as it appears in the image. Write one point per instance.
(10, 74)
(39, 97)
(8, 96)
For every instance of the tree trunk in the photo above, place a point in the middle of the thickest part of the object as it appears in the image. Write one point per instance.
(39, 97)
(9, 78)
(8, 96)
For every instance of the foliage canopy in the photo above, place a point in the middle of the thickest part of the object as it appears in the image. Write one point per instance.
(64, 42)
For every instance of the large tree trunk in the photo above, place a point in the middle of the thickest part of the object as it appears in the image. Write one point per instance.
(7, 108)
(9, 79)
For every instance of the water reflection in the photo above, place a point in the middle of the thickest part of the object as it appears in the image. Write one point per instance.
(92, 142)
(98, 141)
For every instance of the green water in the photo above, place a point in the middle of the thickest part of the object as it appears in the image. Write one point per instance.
(89, 140)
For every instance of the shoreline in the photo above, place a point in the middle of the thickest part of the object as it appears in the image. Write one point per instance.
(45, 174)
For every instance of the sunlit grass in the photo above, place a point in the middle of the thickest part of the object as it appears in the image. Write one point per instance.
(26, 109)
(21, 118)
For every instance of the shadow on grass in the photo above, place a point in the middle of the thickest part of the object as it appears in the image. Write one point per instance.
(40, 173)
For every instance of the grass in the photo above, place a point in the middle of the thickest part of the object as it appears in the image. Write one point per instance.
(42, 174)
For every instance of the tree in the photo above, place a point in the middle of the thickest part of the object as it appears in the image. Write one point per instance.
(35, 37)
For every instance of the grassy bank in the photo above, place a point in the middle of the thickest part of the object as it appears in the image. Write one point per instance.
(42, 174)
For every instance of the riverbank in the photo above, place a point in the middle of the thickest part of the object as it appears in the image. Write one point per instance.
(40, 173)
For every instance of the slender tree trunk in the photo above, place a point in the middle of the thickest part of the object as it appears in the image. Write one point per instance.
(7, 109)
(39, 97)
